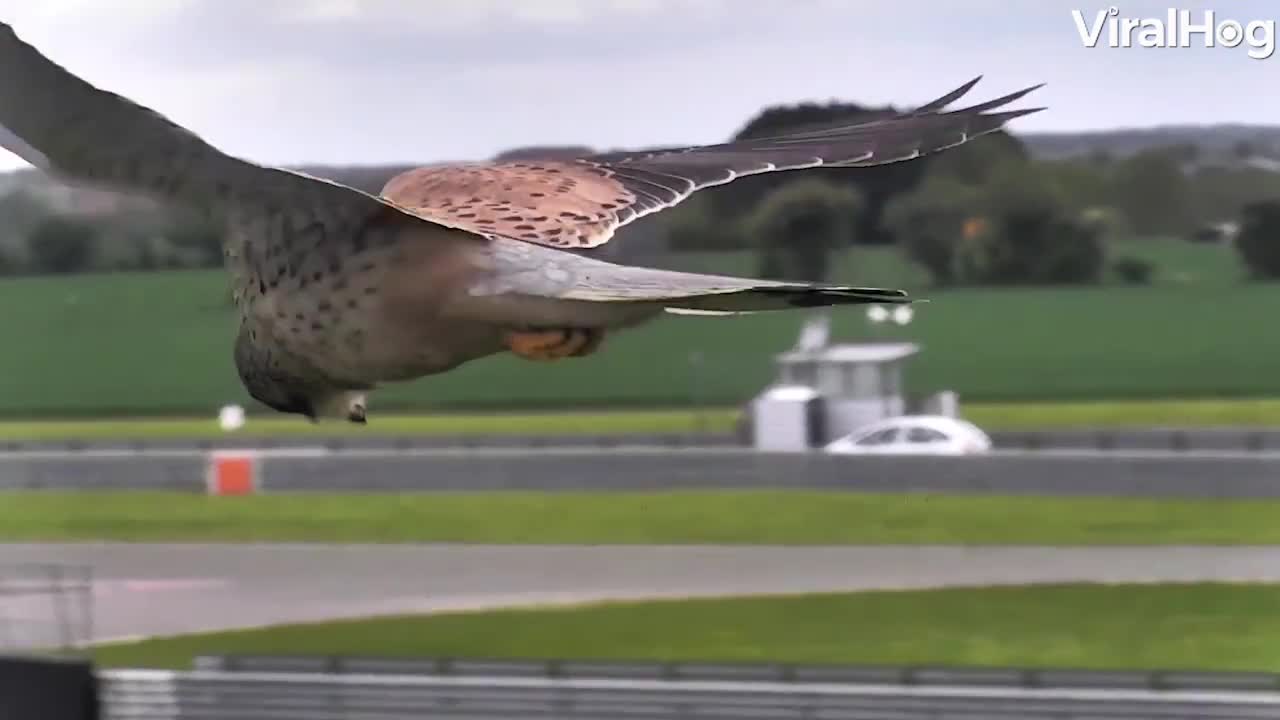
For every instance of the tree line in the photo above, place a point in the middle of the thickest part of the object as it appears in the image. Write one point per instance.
(984, 213)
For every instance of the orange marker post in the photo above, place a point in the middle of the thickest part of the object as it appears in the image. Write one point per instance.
(232, 473)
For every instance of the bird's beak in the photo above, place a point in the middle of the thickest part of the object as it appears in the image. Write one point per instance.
(357, 414)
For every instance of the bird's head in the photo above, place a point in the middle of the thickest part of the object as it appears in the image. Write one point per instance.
(315, 405)
(269, 381)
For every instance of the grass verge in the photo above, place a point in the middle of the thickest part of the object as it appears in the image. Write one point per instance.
(1257, 412)
(1200, 626)
(769, 517)
(1237, 412)
(548, 423)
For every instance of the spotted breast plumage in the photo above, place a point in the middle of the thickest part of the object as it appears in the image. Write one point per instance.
(339, 291)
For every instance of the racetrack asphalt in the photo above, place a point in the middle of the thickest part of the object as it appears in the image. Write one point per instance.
(142, 590)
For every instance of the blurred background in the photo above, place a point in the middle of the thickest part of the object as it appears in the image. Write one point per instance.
(1097, 354)
(1068, 259)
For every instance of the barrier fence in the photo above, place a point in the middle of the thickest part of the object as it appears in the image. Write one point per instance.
(1012, 677)
(136, 694)
(1141, 474)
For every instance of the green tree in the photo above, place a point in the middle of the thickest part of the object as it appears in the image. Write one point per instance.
(9, 265)
(1013, 229)
(197, 236)
(978, 161)
(1031, 237)
(61, 245)
(1083, 185)
(798, 226)
(1259, 240)
(930, 223)
(1110, 223)
(1221, 193)
(543, 152)
(694, 226)
(1133, 271)
(1154, 193)
(20, 212)
(877, 185)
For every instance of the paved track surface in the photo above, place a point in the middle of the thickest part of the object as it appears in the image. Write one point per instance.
(144, 590)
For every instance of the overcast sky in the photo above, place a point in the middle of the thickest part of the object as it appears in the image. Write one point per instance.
(395, 81)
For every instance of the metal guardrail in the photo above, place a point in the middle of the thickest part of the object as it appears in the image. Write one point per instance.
(747, 672)
(1252, 475)
(1064, 473)
(137, 694)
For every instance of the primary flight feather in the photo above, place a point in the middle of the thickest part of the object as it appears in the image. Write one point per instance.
(339, 290)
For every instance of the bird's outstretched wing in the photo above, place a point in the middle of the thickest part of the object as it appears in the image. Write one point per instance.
(83, 135)
(580, 203)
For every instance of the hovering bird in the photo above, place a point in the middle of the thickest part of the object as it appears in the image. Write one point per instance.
(339, 291)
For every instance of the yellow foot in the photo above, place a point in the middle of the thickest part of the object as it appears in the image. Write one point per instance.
(546, 345)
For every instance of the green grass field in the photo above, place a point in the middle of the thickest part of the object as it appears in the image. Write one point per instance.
(159, 344)
(1239, 412)
(1202, 627)
(551, 423)
(740, 517)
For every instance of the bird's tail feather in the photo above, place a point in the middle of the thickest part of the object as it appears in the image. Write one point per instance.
(784, 297)
(700, 294)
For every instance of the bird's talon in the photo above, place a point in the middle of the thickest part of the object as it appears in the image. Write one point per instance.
(547, 345)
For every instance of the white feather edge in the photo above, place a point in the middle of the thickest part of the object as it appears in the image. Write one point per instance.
(692, 311)
(10, 141)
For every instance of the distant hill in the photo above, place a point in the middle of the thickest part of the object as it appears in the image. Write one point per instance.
(1226, 142)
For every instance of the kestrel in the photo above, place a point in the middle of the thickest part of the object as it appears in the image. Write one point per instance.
(339, 291)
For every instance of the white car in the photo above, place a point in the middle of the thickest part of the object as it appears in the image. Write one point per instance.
(914, 435)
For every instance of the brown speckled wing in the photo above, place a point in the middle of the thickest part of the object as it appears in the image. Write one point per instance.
(580, 203)
(560, 204)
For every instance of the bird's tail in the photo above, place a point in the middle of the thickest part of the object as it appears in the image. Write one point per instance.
(784, 297)
(700, 294)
